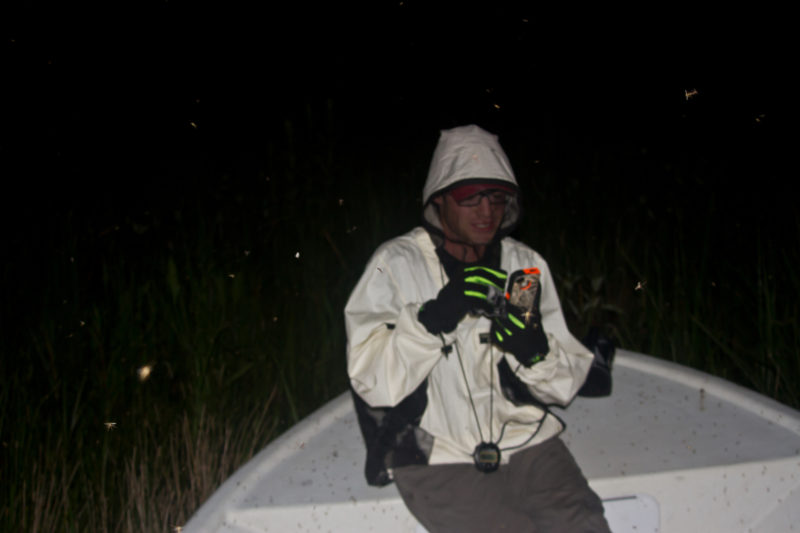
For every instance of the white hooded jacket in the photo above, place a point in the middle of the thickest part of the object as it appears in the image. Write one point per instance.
(392, 358)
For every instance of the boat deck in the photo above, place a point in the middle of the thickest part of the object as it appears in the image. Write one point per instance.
(666, 417)
(672, 449)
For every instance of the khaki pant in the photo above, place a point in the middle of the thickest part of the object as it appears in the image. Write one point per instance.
(540, 490)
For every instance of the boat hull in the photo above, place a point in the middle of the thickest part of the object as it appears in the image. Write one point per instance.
(671, 450)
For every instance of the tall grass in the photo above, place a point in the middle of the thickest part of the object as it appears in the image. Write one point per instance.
(150, 349)
(675, 262)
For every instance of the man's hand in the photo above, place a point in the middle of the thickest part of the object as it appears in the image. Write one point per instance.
(471, 290)
(519, 329)
(523, 337)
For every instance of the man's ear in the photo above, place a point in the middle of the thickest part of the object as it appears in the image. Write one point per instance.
(437, 200)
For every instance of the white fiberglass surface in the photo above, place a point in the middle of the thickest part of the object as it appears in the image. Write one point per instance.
(663, 417)
(654, 421)
(662, 422)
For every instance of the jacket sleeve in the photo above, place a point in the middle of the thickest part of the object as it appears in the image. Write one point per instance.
(559, 376)
(389, 352)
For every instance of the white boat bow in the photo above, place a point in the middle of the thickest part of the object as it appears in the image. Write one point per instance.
(671, 450)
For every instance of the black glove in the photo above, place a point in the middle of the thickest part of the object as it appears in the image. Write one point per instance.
(519, 330)
(527, 342)
(474, 289)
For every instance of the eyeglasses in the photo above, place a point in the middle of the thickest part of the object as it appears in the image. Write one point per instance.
(495, 198)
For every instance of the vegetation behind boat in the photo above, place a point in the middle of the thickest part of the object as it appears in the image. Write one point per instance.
(158, 333)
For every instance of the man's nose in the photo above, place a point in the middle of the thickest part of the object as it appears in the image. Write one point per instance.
(485, 207)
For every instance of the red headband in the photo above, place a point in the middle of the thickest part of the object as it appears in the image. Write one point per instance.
(465, 191)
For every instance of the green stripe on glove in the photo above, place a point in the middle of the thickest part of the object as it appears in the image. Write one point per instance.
(526, 342)
(474, 289)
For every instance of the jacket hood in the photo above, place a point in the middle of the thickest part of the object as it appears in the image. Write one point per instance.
(463, 155)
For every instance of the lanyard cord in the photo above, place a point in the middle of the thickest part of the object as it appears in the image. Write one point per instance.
(491, 391)
(526, 441)
(539, 422)
(469, 392)
(466, 381)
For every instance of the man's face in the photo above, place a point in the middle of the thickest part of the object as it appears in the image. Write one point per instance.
(474, 225)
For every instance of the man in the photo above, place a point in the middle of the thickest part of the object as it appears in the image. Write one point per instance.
(456, 345)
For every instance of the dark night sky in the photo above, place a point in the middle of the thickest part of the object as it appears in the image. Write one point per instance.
(100, 91)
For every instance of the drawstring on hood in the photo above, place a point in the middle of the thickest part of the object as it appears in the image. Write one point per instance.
(468, 154)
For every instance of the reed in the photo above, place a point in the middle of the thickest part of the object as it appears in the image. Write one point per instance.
(147, 352)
